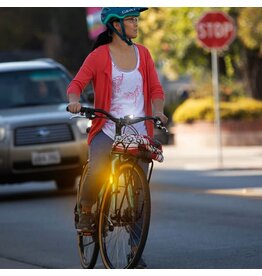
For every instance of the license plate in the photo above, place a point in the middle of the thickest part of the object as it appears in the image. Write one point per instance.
(45, 158)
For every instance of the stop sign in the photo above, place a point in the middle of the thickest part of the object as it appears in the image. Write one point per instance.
(215, 30)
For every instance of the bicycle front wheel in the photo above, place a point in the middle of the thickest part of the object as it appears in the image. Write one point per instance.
(88, 250)
(124, 218)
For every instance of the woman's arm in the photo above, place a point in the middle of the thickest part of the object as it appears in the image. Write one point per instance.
(157, 92)
(80, 81)
(158, 105)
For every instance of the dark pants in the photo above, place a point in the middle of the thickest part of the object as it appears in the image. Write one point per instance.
(98, 168)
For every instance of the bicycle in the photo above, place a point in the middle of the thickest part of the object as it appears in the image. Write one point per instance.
(123, 207)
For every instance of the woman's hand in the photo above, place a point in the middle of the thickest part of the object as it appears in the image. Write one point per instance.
(74, 107)
(162, 117)
(158, 105)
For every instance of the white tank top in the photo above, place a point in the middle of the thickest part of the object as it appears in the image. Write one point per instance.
(127, 98)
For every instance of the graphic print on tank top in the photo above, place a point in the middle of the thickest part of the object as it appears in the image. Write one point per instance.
(133, 95)
(116, 83)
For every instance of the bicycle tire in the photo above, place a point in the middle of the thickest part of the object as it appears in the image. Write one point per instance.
(116, 232)
(88, 246)
(88, 250)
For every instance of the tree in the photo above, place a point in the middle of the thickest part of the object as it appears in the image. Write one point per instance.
(59, 33)
(170, 35)
(250, 33)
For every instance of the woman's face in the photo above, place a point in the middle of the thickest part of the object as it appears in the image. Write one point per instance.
(131, 26)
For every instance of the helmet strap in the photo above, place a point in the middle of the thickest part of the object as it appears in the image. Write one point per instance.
(123, 35)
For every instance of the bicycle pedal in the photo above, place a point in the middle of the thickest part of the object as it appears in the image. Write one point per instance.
(87, 234)
(84, 233)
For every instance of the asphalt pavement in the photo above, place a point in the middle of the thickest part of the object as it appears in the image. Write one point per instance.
(194, 158)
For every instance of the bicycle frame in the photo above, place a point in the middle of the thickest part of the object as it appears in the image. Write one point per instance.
(116, 159)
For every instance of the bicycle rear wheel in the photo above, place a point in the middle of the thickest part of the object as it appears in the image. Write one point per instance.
(88, 246)
(124, 218)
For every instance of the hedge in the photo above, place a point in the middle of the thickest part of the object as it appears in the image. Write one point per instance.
(203, 110)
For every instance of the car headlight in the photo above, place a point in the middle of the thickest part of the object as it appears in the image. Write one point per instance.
(83, 124)
(2, 133)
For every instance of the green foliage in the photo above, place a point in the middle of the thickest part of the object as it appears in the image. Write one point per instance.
(171, 36)
(194, 110)
(231, 90)
(203, 110)
(250, 27)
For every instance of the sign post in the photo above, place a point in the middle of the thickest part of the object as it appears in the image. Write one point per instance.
(216, 30)
(216, 93)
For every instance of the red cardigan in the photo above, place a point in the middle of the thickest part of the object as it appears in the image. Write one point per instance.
(98, 68)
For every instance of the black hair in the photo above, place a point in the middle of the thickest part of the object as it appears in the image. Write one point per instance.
(104, 38)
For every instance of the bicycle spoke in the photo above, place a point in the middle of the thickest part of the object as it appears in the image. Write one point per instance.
(124, 209)
(88, 244)
(88, 250)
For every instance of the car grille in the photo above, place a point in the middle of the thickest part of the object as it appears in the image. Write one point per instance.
(43, 134)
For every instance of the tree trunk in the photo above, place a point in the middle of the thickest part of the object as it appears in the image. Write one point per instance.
(254, 73)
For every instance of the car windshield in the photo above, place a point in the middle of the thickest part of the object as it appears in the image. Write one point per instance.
(36, 87)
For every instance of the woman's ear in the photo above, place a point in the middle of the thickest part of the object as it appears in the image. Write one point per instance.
(116, 25)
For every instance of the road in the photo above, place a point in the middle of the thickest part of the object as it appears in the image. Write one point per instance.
(200, 219)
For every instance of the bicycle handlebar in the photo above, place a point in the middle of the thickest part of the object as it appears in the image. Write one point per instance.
(90, 113)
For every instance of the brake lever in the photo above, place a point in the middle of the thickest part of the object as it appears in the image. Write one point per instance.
(160, 125)
(73, 116)
(164, 128)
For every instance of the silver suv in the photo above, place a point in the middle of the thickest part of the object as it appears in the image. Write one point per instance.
(37, 139)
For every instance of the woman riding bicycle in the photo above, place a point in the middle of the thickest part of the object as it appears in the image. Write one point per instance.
(125, 82)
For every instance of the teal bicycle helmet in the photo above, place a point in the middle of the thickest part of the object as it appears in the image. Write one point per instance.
(109, 14)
